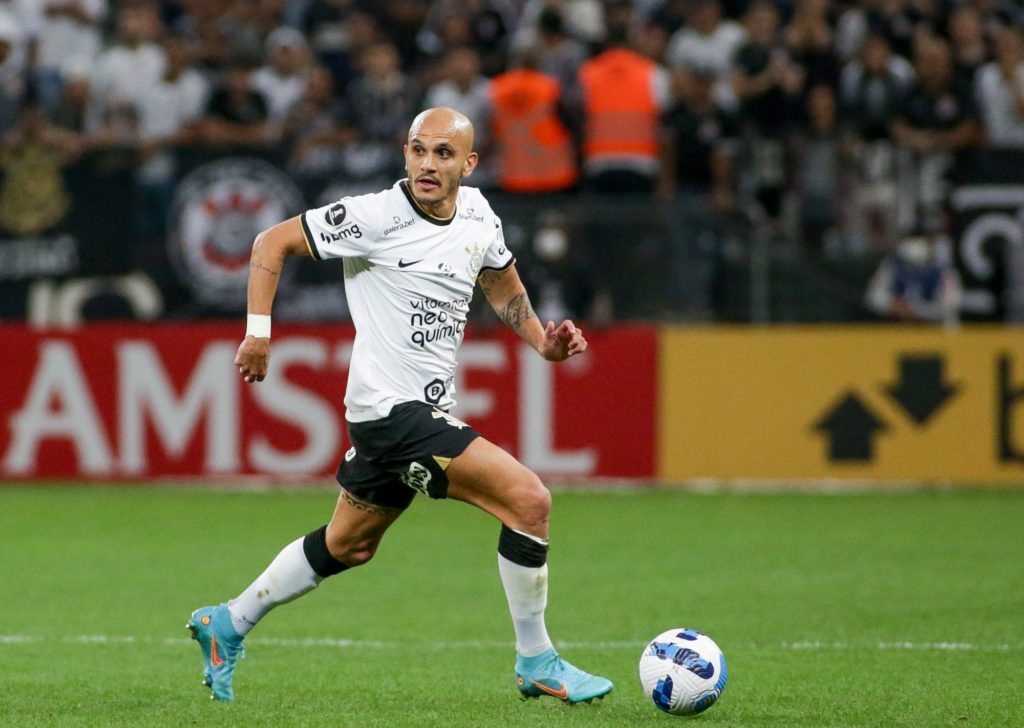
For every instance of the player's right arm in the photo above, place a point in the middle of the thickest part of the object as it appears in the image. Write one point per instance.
(265, 264)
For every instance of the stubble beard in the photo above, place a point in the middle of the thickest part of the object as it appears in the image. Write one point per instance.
(433, 206)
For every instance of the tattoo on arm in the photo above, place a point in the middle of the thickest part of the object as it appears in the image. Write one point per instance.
(487, 279)
(517, 311)
(257, 265)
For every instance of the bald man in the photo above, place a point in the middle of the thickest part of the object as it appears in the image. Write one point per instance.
(412, 255)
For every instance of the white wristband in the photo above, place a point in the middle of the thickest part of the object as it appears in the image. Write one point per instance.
(257, 325)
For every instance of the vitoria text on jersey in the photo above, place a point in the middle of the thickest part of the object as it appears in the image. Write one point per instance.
(409, 279)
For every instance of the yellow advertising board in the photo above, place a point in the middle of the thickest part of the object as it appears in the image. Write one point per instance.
(889, 403)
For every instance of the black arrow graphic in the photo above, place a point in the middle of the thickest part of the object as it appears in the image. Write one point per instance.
(851, 428)
(921, 390)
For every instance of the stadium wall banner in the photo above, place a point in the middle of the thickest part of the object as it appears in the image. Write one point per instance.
(857, 403)
(136, 401)
(986, 205)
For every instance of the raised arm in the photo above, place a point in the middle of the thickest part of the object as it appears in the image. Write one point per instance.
(507, 295)
(265, 265)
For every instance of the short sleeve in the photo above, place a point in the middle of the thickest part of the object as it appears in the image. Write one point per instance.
(342, 229)
(498, 256)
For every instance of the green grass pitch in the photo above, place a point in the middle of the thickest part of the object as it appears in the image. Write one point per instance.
(854, 609)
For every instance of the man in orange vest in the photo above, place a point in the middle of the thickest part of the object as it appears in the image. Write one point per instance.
(536, 152)
(624, 94)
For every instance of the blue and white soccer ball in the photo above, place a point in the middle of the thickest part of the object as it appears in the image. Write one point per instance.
(683, 671)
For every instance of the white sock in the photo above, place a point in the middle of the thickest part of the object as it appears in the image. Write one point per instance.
(288, 577)
(526, 589)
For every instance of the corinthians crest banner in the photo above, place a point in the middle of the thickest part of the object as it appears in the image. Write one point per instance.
(84, 239)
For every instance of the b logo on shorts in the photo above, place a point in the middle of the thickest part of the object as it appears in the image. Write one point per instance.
(350, 455)
(417, 478)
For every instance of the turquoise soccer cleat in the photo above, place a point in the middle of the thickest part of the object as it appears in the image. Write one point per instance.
(549, 674)
(221, 646)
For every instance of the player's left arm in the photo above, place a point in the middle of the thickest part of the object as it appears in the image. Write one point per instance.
(507, 295)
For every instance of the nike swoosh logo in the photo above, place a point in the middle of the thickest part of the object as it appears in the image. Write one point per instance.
(403, 264)
(214, 657)
(560, 694)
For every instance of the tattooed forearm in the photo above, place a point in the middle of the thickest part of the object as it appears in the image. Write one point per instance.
(258, 265)
(517, 311)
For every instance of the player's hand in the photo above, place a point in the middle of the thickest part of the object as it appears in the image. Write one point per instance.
(253, 358)
(562, 342)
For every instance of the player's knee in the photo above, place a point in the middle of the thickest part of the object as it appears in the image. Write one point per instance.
(533, 500)
(352, 552)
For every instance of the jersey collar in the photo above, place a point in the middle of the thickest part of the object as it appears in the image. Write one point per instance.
(404, 185)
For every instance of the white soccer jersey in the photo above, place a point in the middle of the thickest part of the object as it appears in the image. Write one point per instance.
(409, 279)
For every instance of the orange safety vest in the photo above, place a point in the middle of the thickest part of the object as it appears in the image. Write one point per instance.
(618, 100)
(535, 150)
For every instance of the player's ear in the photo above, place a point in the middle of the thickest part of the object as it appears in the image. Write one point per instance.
(470, 165)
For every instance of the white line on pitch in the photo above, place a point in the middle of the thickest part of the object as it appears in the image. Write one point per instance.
(342, 643)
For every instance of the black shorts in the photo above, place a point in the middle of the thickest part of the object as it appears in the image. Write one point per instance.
(405, 453)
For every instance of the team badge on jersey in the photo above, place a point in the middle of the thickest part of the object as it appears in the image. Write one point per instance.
(476, 260)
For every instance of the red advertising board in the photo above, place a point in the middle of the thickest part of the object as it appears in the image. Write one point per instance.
(129, 401)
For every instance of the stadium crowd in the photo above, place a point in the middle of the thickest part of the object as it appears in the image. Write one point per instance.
(838, 122)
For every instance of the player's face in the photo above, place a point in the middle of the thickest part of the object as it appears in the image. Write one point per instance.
(437, 157)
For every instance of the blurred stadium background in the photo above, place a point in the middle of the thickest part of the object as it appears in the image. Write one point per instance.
(839, 182)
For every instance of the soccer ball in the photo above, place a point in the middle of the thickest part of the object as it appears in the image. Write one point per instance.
(683, 671)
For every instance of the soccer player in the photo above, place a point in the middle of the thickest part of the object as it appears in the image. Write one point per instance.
(411, 256)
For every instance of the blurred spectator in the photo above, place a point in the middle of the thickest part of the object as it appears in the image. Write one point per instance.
(767, 84)
(669, 15)
(699, 142)
(583, 20)
(966, 35)
(463, 88)
(871, 91)
(338, 33)
(66, 29)
(872, 87)
(170, 109)
(534, 149)
(378, 107)
(1000, 90)
(73, 106)
(236, 115)
(938, 116)
(127, 69)
(282, 79)
(13, 69)
(242, 26)
(313, 132)
(707, 43)
(889, 18)
(916, 283)
(809, 41)
(623, 97)
(819, 176)
(483, 25)
(562, 283)
(559, 55)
